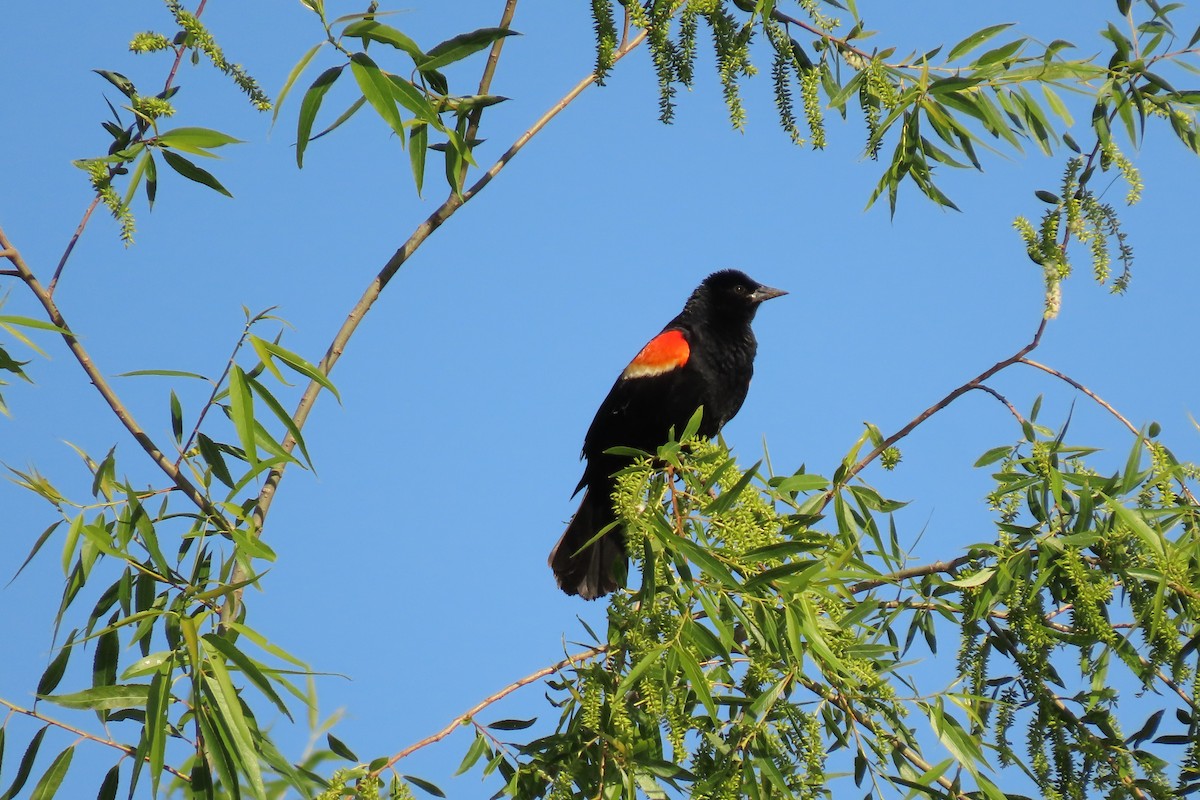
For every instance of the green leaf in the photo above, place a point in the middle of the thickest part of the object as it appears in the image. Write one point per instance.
(37, 545)
(975, 39)
(479, 746)
(295, 362)
(697, 680)
(512, 724)
(26, 765)
(282, 415)
(424, 785)
(292, 77)
(711, 566)
(227, 712)
(30, 322)
(241, 410)
(103, 698)
(978, 579)
(196, 139)
(370, 30)
(414, 100)
(339, 749)
(192, 172)
(216, 462)
(110, 784)
(161, 373)
(251, 669)
(377, 89)
(176, 418)
(53, 778)
(418, 149)
(461, 46)
(801, 483)
(309, 107)
(54, 671)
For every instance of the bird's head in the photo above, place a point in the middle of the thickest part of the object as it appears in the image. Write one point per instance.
(733, 293)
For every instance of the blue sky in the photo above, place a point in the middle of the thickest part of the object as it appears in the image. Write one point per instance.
(413, 562)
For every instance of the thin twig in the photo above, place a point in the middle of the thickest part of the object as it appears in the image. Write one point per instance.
(124, 748)
(1085, 390)
(935, 568)
(1002, 399)
(974, 383)
(87, 214)
(1187, 493)
(62, 262)
(97, 378)
(468, 715)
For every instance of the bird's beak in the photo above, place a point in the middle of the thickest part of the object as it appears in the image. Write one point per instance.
(766, 293)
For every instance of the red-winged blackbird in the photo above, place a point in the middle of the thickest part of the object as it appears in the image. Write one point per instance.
(704, 357)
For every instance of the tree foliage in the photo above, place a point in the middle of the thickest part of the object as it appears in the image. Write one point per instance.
(765, 646)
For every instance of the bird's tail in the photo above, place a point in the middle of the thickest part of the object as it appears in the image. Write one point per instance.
(593, 572)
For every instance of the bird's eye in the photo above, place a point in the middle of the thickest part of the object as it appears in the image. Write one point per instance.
(740, 289)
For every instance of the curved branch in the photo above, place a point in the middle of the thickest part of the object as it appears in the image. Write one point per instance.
(124, 748)
(97, 378)
(974, 383)
(470, 713)
(1106, 406)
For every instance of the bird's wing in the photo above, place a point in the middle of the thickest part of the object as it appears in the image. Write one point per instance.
(667, 351)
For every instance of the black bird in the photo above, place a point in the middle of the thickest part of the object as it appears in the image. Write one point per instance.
(703, 357)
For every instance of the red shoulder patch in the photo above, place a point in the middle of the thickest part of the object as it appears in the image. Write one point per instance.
(665, 352)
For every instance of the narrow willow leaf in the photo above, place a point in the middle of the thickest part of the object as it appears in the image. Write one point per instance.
(241, 411)
(512, 724)
(52, 780)
(418, 149)
(37, 545)
(975, 39)
(192, 172)
(338, 747)
(251, 669)
(424, 785)
(103, 698)
(309, 107)
(229, 716)
(370, 30)
(461, 46)
(54, 671)
(162, 373)
(110, 784)
(283, 416)
(711, 566)
(377, 89)
(196, 138)
(30, 322)
(176, 418)
(414, 100)
(697, 680)
(216, 462)
(478, 748)
(299, 365)
(292, 77)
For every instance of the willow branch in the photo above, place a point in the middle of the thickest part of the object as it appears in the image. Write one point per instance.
(1012, 410)
(1106, 406)
(87, 214)
(55, 316)
(399, 258)
(936, 568)
(124, 748)
(468, 715)
(974, 383)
